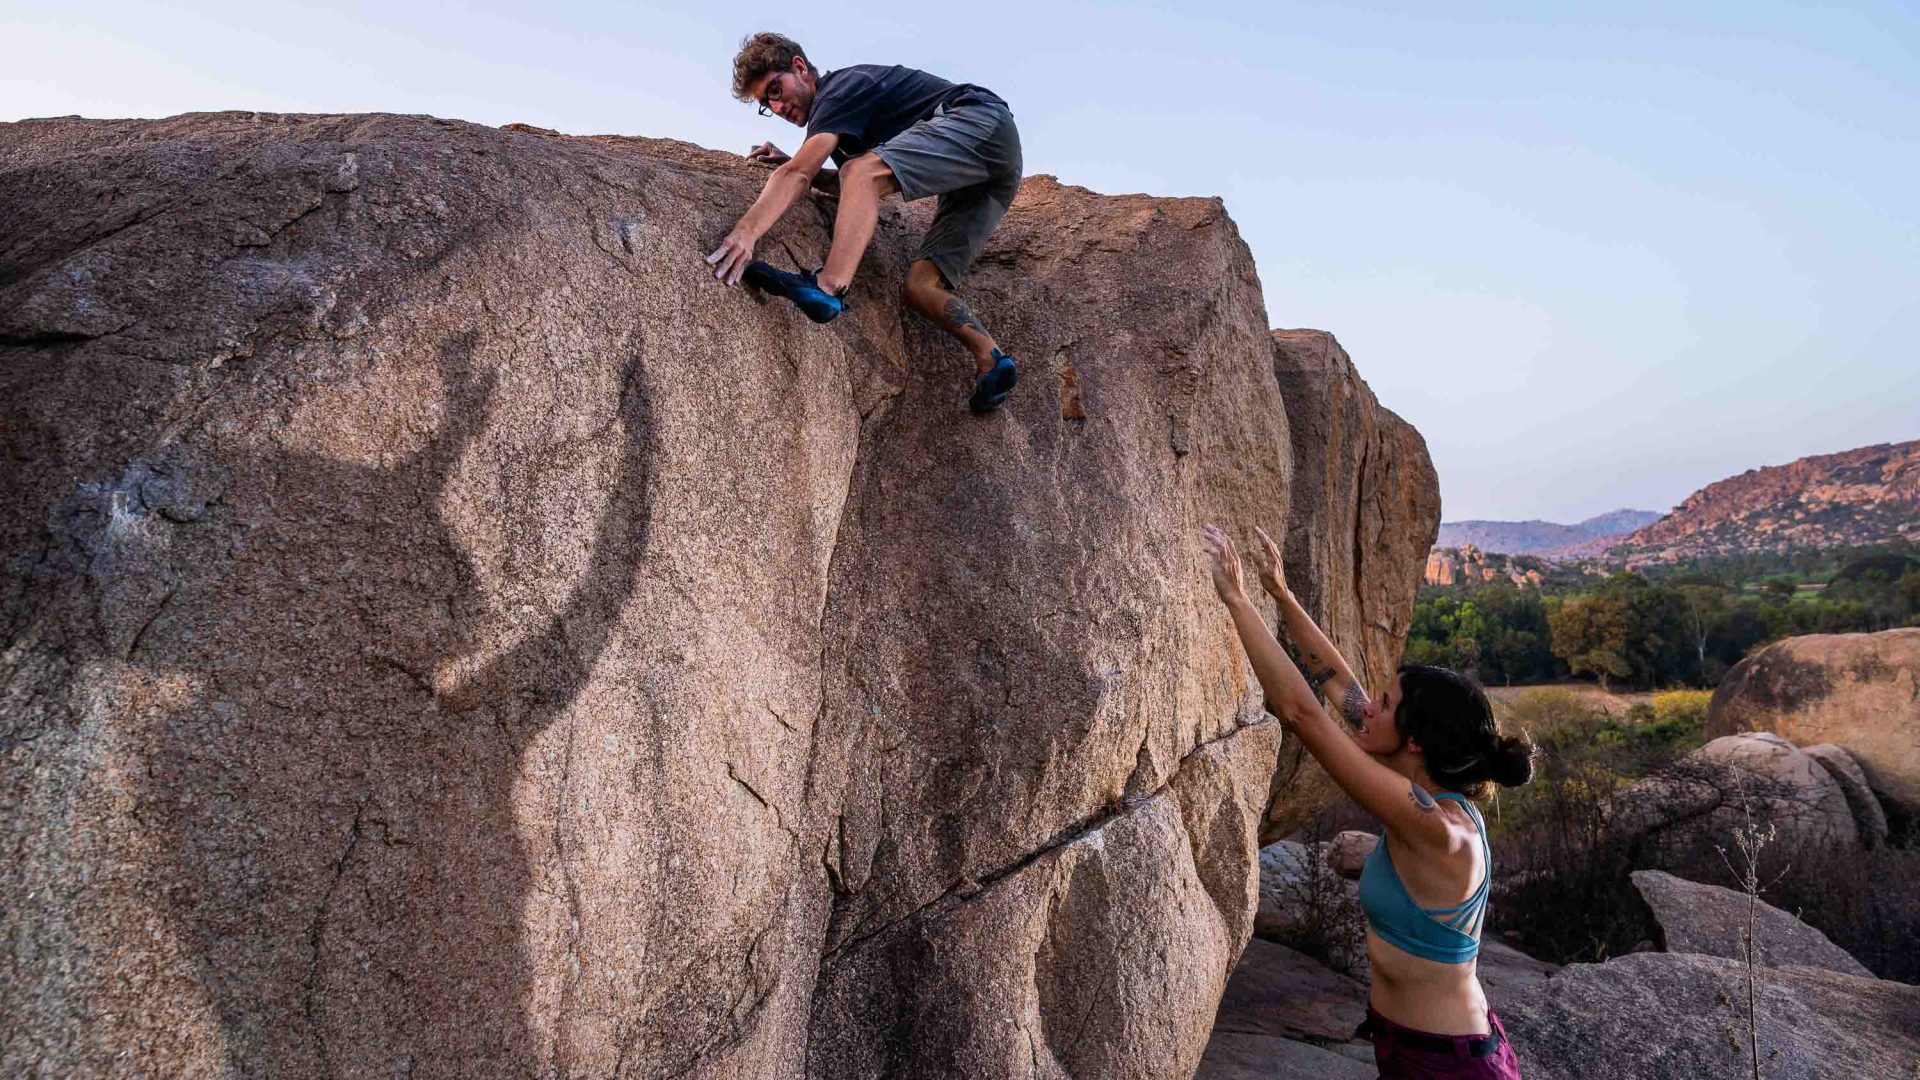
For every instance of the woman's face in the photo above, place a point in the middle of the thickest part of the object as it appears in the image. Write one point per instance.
(1381, 734)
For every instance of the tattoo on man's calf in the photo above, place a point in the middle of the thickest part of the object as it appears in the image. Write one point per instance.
(960, 315)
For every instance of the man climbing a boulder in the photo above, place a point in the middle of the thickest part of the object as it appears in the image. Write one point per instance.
(890, 129)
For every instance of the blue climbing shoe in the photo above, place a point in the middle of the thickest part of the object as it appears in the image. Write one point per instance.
(992, 388)
(819, 305)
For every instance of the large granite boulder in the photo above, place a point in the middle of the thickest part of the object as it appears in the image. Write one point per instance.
(450, 634)
(1682, 1016)
(1755, 778)
(1858, 691)
(1366, 498)
(1709, 919)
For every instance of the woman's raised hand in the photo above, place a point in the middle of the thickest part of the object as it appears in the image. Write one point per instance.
(1224, 563)
(1273, 576)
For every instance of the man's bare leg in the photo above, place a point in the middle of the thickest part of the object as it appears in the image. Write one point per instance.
(926, 292)
(864, 181)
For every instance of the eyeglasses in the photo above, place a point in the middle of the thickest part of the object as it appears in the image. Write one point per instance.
(771, 94)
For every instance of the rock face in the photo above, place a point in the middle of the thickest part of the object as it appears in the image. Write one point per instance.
(1858, 691)
(450, 634)
(1365, 497)
(1707, 919)
(1677, 1016)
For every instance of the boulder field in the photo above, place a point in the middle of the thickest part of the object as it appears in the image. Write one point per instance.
(446, 633)
(1858, 691)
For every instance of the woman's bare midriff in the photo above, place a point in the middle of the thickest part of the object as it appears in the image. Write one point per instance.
(1426, 995)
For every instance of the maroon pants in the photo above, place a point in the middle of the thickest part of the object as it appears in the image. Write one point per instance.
(1402, 1053)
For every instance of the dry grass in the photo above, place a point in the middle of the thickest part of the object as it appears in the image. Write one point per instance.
(1587, 695)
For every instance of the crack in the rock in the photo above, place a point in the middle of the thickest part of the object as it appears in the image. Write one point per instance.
(779, 717)
(319, 201)
(570, 889)
(1359, 555)
(778, 819)
(847, 507)
(418, 675)
(310, 993)
(726, 1028)
(968, 888)
(92, 242)
(43, 338)
(141, 635)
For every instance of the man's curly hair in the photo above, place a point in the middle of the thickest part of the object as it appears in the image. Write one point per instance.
(759, 54)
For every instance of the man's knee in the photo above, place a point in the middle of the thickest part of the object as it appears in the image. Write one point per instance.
(924, 288)
(920, 296)
(872, 171)
(868, 169)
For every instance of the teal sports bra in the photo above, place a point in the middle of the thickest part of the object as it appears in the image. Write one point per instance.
(1447, 934)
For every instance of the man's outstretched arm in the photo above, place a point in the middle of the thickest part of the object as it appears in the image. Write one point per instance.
(826, 181)
(784, 188)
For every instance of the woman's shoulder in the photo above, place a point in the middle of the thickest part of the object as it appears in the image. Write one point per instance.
(1455, 823)
(1450, 857)
(1461, 812)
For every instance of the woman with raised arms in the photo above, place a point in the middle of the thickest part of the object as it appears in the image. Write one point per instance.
(1416, 761)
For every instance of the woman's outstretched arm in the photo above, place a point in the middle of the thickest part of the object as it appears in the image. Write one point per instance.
(1387, 795)
(1288, 694)
(1325, 666)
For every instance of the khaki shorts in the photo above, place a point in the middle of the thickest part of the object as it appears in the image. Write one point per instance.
(968, 155)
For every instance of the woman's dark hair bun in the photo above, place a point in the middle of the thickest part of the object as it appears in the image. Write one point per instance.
(1512, 761)
(1449, 715)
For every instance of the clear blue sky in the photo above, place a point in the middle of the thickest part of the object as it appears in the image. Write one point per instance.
(1600, 254)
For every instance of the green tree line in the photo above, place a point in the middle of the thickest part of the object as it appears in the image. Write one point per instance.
(1679, 625)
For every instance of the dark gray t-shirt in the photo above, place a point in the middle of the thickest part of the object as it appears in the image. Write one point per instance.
(867, 104)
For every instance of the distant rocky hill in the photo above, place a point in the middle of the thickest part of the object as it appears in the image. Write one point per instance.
(1865, 496)
(1541, 537)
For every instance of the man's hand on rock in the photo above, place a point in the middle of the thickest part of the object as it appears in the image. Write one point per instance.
(730, 259)
(768, 153)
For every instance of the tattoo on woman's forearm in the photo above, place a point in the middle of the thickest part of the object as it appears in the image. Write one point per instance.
(960, 315)
(1421, 799)
(1317, 679)
(1354, 704)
